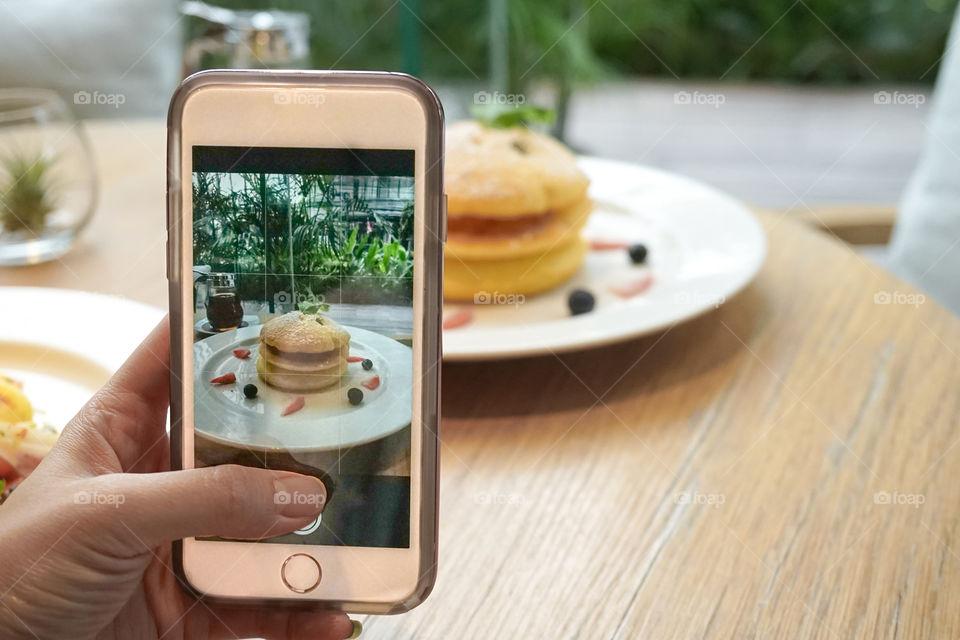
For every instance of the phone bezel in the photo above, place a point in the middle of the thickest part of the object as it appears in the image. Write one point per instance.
(360, 595)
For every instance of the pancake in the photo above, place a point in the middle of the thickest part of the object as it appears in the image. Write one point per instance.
(508, 172)
(298, 381)
(300, 332)
(525, 275)
(516, 204)
(306, 362)
(486, 239)
(301, 352)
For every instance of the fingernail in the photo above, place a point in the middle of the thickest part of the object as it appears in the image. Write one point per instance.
(357, 630)
(298, 496)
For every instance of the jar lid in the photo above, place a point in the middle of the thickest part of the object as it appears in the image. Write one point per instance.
(223, 279)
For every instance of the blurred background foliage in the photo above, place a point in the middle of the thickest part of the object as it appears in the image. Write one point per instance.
(580, 41)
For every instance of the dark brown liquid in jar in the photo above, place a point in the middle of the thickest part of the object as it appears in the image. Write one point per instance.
(224, 311)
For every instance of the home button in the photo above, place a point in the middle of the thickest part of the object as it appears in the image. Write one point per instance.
(301, 573)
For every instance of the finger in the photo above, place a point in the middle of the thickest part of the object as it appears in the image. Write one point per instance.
(146, 373)
(124, 423)
(228, 501)
(216, 622)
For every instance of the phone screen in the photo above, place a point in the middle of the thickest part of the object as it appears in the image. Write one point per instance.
(303, 327)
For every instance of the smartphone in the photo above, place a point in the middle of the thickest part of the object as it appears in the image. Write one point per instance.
(305, 238)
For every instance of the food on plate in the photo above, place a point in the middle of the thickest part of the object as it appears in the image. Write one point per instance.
(580, 301)
(633, 288)
(459, 318)
(242, 354)
(367, 364)
(24, 444)
(227, 378)
(355, 396)
(14, 405)
(638, 253)
(250, 391)
(607, 245)
(302, 352)
(355, 358)
(372, 383)
(23, 441)
(516, 203)
(295, 405)
(519, 276)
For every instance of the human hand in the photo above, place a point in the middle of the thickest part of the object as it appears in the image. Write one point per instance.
(86, 538)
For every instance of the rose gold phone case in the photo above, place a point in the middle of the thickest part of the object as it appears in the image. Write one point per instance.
(433, 219)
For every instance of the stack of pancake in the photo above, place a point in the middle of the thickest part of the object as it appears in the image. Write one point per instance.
(516, 202)
(302, 352)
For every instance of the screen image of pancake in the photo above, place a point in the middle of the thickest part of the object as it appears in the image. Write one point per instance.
(303, 326)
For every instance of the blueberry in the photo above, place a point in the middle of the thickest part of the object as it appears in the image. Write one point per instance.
(580, 301)
(367, 364)
(250, 390)
(355, 396)
(638, 253)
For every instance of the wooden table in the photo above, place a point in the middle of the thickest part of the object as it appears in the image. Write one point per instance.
(778, 468)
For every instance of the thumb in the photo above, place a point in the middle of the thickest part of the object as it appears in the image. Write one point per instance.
(229, 501)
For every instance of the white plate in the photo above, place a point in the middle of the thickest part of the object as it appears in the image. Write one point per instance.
(326, 422)
(65, 344)
(704, 247)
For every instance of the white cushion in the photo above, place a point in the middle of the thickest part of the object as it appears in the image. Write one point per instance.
(925, 248)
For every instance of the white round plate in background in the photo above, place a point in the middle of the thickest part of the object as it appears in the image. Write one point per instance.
(704, 246)
(64, 344)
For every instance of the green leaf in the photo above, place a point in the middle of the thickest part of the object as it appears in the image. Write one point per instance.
(28, 194)
(371, 258)
(312, 305)
(504, 116)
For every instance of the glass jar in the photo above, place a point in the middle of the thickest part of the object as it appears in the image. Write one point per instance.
(224, 311)
(48, 185)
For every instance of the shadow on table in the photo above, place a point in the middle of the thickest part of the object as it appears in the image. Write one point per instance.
(705, 350)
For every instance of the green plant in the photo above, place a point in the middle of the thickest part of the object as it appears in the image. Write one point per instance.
(312, 303)
(499, 116)
(819, 41)
(303, 234)
(27, 193)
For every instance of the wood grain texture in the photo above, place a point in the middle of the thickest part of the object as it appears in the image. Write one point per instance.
(723, 479)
